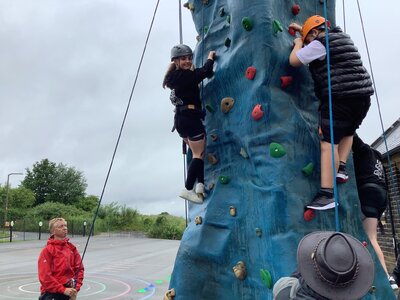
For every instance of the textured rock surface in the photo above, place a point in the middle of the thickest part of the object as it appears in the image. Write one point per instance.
(268, 193)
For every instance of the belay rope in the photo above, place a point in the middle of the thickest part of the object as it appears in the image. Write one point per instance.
(118, 140)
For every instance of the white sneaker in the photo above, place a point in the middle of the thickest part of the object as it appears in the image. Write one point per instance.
(393, 283)
(191, 196)
(200, 189)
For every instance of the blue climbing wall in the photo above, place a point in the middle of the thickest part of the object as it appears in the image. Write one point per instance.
(267, 193)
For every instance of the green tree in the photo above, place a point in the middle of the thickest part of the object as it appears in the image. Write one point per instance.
(88, 203)
(19, 200)
(40, 179)
(55, 183)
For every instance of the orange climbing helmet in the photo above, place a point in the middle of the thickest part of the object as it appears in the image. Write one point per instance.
(311, 23)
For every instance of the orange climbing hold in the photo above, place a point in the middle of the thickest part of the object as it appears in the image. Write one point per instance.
(295, 9)
(251, 73)
(257, 113)
(286, 81)
(309, 214)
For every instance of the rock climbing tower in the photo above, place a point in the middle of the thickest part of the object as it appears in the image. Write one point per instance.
(262, 156)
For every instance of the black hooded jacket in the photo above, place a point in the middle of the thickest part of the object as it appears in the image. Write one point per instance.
(349, 78)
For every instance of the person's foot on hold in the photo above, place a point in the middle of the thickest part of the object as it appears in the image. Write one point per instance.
(322, 201)
(342, 176)
(191, 196)
(393, 283)
(200, 189)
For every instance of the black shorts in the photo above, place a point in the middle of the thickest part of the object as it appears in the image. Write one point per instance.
(189, 125)
(347, 115)
(53, 296)
(373, 199)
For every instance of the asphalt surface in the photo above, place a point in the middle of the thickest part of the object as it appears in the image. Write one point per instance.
(115, 268)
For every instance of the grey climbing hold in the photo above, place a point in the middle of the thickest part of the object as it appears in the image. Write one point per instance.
(243, 153)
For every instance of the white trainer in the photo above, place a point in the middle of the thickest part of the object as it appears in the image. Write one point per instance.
(200, 189)
(191, 196)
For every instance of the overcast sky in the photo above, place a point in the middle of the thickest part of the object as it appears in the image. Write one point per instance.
(67, 69)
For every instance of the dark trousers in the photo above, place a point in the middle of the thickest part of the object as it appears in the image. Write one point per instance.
(53, 296)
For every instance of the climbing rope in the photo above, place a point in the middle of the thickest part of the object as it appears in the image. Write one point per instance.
(184, 148)
(392, 179)
(335, 193)
(118, 139)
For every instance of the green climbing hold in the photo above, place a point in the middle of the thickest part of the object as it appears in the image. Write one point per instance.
(205, 29)
(159, 281)
(142, 291)
(247, 24)
(228, 19)
(266, 278)
(210, 108)
(276, 150)
(308, 169)
(276, 25)
(227, 42)
(224, 179)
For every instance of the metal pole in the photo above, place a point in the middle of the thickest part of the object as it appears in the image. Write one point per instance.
(6, 206)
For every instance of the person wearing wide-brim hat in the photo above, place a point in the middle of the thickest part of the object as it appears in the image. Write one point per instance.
(331, 265)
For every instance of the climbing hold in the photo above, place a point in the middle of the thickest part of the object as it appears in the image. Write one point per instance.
(308, 169)
(258, 232)
(205, 2)
(169, 295)
(210, 186)
(257, 113)
(227, 42)
(198, 38)
(198, 220)
(365, 244)
(228, 19)
(251, 73)
(189, 6)
(227, 104)
(243, 153)
(214, 136)
(291, 31)
(205, 29)
(266, 278)
(276, 25)
(232, 211)
(210, 108)
(276, 150)
(286, 81)
(212, 159)
(224, 179)
(372, 290)
(222, 12)
(295, 9)
(240, 270)
(309, 214)
(247, 23)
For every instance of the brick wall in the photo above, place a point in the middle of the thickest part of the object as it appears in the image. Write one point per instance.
(391, 218)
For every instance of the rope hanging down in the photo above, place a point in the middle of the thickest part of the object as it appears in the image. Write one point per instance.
(119, 135)
(335, 193)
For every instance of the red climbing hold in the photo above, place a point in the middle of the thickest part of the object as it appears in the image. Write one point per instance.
(295, 9)
(257, 113)
(309, 214)
(364, 243)
(292, 32)
(286, 81)
(251, 73)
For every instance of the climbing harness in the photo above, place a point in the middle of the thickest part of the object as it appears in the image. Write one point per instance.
(118, 139)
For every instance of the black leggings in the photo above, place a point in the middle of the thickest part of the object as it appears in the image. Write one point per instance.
(53, 296)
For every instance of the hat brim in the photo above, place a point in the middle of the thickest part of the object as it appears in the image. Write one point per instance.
(355, 290)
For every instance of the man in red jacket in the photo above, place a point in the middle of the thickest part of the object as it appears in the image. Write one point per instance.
(59, 265)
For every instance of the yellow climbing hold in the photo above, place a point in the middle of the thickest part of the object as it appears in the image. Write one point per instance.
(170, 294)
(212, 159)
(227, 104)
(240, 270)
(198, 220)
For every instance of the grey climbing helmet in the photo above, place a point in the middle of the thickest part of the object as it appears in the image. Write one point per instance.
(180, 50)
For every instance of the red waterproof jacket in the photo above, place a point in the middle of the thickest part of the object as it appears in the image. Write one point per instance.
(58, 263)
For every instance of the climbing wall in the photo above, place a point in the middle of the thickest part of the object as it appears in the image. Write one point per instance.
(262, 156)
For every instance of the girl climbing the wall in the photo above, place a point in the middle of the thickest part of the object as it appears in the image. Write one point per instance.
(183, 80)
